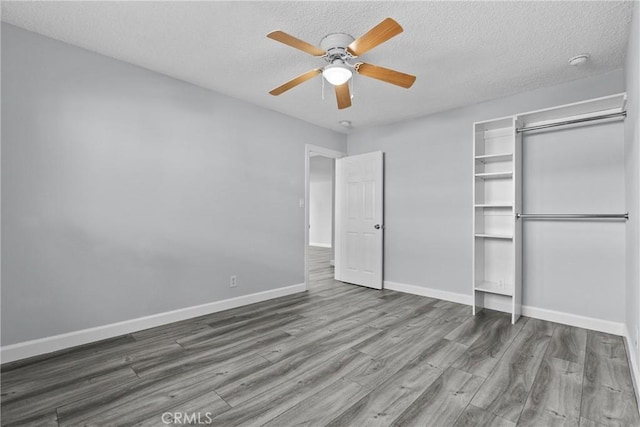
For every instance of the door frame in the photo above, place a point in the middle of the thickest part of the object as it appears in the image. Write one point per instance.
(308, 152)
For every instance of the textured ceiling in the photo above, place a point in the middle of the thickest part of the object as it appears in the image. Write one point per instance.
(461, 52)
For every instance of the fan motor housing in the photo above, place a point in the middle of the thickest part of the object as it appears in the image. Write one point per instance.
(336, 45)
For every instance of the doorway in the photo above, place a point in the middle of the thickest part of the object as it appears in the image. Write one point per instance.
(355, 215)
(320, 177)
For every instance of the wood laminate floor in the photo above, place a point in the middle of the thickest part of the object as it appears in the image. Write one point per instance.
(338, 355)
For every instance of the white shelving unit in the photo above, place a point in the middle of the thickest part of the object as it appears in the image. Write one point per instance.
(497, 193)
(496, 234)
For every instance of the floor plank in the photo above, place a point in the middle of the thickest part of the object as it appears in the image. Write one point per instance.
(506, 390)
(608, 395)
(349, 331)
(284, 396)
(555, 396)
(204, 407)
(428, 346)
(586, 422)
(484, 353)
(476, 327)
(606, 362)
(206, 357)
(319, 408)
(443, 401)
(387, 401)
(138, 401)
(30, 409)
(609, 407)
(478, 417)
(568, 343)
(298, 366)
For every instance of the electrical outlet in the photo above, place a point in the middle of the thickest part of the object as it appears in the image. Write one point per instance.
(233, 281)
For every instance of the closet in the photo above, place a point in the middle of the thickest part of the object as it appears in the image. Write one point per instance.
(498, 192)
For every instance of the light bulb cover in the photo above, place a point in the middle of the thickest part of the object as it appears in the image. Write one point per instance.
(336, 74)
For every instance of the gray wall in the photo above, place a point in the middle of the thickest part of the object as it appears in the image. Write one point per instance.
(127, 193)
(632, 179)
(573, 267)
(321, 200)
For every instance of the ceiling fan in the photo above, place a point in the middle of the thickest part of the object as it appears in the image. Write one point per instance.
(338, 49)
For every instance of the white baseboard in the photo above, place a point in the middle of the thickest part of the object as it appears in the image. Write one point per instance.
(600, 325)
(428, 292)
(633, 359)
(36, 347)
(321, 245)
(616, 328)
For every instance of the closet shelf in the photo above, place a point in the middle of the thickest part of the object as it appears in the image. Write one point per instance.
(495, 205)
(579, 110)
(494, 236)
(490, 175)
(494, 288)
(486, 158)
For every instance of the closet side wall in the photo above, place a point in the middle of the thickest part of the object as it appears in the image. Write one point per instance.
(632, 181)
(428, 201)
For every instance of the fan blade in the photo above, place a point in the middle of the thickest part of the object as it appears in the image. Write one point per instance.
(343, 96)
(386, 75)
(295, 82)
(375, 36)
(287, 39)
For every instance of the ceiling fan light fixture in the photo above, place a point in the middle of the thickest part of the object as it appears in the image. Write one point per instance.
(338, 49)
(337, 74)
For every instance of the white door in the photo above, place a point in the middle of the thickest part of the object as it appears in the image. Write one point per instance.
(359, 227)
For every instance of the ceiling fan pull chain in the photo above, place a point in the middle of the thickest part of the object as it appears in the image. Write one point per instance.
(323, 89)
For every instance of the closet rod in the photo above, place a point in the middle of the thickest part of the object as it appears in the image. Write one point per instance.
(574, 216)
(569, 122)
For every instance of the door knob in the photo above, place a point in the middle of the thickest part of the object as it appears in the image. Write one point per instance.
(377, 226)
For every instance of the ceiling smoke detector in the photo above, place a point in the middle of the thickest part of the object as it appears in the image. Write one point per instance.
(578, 60)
